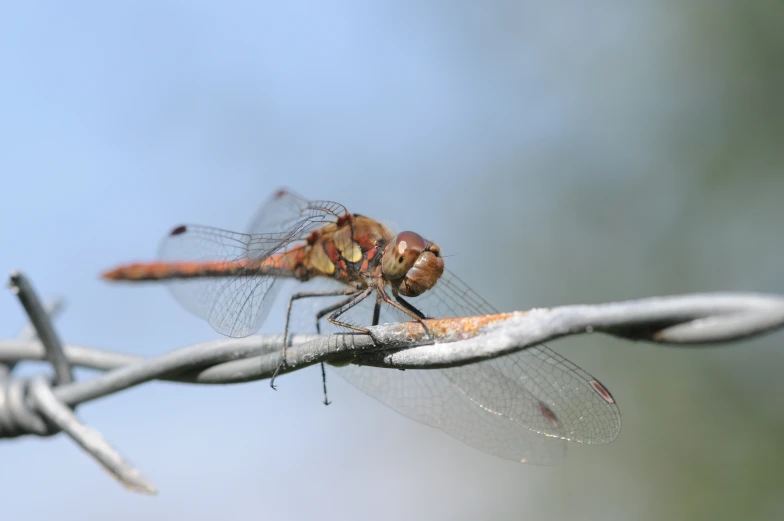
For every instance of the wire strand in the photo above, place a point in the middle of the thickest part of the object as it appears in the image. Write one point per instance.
(42, 406)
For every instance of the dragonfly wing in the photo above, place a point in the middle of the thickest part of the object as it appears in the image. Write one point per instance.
(289, 213)
(512, 400)
(433, 398)
(234, 305)
(544, 392)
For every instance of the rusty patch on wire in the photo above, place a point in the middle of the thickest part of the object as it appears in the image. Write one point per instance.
(450, 329)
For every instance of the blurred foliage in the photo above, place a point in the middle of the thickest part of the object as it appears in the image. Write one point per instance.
(696, 208)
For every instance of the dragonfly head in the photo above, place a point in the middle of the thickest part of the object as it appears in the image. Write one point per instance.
(412, 264)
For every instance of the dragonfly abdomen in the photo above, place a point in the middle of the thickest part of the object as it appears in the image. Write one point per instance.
(175, 270)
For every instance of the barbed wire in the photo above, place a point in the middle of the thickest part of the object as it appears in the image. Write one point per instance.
(44, 405)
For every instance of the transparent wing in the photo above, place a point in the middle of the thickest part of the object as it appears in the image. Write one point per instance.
(433, 398)
(237, 303)
(289, 213)
(234, 305)
(518, 406)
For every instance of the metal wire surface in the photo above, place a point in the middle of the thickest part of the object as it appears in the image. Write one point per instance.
(43, 405)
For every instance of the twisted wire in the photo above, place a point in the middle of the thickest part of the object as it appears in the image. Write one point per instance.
(44, 406)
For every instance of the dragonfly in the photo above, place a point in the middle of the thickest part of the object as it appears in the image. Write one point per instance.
(521, 406)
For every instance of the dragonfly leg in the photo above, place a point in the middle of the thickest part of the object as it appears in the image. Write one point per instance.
(348, 304)
(414, 312)
(296, 296)
(405, 307)
(332, 307)
(377, 309)
(324, 383)
(320, 315)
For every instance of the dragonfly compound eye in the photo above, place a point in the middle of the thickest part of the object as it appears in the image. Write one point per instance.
(401, 254)
(413, 262)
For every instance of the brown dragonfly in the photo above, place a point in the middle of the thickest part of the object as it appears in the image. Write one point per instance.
(520, 406)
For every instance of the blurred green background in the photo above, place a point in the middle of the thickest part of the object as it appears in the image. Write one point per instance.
(566, 153)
